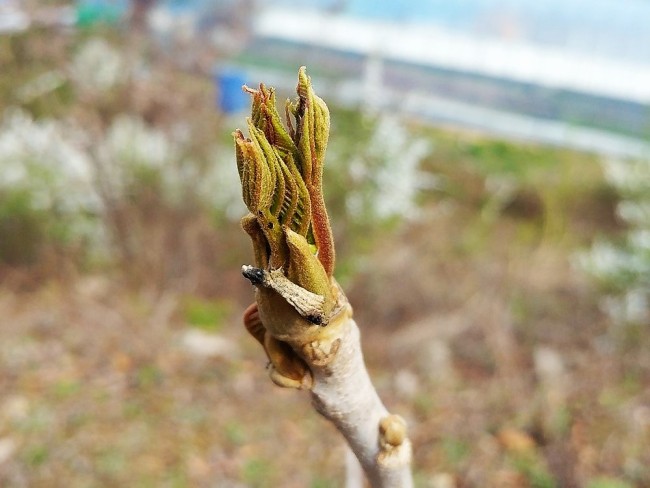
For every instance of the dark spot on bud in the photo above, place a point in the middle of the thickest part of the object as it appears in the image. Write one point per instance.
(315, 319)
(270, 225)
(254, 275)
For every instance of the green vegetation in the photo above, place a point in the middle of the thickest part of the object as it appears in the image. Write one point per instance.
(605, 482)
(22, 226)
(534, 470)
(257, 472)
(456, 451)
(206, 314)
(621, 267)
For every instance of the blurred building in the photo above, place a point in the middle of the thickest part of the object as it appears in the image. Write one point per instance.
(225, 22)
(578, 62)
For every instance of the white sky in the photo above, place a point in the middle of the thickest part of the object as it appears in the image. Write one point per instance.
(436, 46)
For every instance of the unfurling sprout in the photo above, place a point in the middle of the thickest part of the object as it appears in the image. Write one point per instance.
(300, 315)
(281, 172)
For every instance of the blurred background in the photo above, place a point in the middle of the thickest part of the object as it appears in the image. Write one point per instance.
(488, 179)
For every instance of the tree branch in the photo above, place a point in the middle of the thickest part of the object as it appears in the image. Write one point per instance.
(343, 393)
(301, 316)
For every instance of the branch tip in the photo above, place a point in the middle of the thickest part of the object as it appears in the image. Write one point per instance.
(309, 305)
(392, 431)
(248, 89)
(255, 275)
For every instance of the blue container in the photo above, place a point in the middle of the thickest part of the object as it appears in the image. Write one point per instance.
(230, 97)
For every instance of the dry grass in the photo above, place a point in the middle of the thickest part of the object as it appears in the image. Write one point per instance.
(499, 359)
(99, 389)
